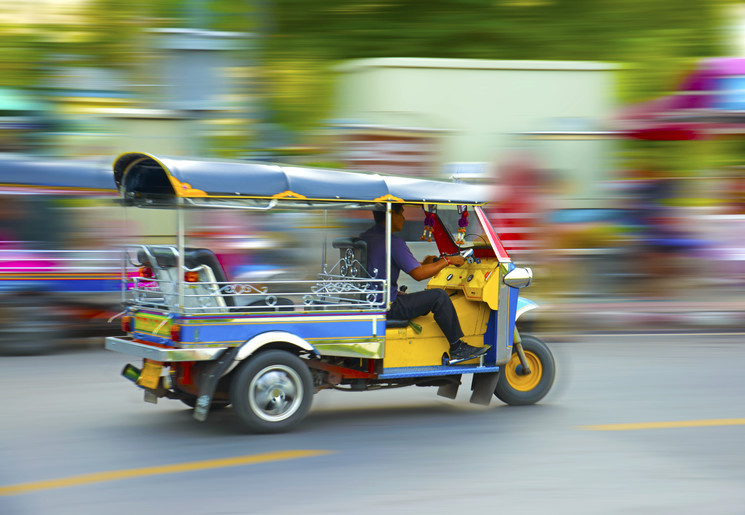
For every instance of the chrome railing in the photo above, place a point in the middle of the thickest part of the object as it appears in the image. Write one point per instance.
(336, 289)
(327, 293)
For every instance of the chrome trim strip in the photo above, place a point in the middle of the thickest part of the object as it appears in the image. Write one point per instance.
(141, 350)
(258, 341)
(504, 337)
(523, 306)
(369, 349)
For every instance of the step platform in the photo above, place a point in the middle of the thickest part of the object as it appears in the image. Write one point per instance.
(438, 370)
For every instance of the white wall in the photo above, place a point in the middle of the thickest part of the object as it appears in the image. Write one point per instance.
(483, 105)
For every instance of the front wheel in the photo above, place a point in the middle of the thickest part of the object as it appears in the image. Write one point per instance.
(272, 392)
(516, 388)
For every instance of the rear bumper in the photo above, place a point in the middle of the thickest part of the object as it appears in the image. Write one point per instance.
(141, 350)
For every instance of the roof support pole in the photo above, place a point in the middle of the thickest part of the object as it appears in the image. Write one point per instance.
(387, 255)
(180, 243)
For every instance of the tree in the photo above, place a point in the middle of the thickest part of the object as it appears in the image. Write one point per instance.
(300, 40)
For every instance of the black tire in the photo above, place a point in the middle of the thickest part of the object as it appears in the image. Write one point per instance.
(517, 389)
(272, 391)
(31, 338)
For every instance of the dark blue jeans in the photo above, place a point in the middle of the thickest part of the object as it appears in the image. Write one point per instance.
(436, 301)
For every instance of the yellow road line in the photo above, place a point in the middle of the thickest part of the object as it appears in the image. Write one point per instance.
(114, 475)
(667, 425)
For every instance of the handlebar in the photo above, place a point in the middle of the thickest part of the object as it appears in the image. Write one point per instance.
(465, 254)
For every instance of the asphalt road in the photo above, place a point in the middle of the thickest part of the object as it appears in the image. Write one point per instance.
(634, 425)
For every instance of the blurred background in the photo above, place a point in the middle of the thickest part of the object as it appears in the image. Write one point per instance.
(614, 128)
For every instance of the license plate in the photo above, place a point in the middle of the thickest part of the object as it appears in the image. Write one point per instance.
(150, 375)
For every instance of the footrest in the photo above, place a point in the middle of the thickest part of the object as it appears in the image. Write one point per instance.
(447, 360)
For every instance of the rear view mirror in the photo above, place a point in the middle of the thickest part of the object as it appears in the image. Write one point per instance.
(519, 278)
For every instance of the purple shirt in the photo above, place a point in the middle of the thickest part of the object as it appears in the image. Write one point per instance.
(401, 256)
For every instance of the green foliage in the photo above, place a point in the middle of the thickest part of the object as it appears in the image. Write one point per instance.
(656, 39)
(21, 55)
(297, 41)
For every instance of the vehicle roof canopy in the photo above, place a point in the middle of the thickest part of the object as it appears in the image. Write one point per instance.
(151, 179)
(56, 176)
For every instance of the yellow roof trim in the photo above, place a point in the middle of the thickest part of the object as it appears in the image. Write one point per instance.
(185, 189)
(388, 198)
(289, 194)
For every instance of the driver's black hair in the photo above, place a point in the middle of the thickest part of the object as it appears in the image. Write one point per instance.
(380, 215)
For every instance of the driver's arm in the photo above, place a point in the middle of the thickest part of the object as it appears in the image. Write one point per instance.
(429, 267)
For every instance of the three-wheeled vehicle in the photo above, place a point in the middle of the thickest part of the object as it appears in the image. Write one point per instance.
(59, 276)
(266, 347)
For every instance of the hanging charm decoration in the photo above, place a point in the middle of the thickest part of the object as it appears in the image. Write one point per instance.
(462, 225)
(429, 223)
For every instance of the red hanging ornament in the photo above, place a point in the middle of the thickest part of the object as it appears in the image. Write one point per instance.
(462, 225)
(429, 223)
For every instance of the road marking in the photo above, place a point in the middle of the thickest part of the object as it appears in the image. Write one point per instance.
(625, 334)
(114, 475)
(666, 425)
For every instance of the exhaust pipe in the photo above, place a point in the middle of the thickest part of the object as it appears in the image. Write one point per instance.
(131, 372)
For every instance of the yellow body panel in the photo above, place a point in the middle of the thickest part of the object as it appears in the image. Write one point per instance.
(151, 323)
(477, 281)
(405, 348)
(150, 375)
(490, 292)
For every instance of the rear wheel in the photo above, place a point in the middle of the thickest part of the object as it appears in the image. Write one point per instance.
(517, 388)
(272, 392)
(29, 337)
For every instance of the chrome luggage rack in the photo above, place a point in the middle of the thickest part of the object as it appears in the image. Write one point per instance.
(156, 286)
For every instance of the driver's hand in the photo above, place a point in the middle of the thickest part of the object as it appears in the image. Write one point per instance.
(428, 259)
(456, 260)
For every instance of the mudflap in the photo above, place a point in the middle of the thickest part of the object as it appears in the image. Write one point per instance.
(449, 390)
(482, 387)
(209, 380)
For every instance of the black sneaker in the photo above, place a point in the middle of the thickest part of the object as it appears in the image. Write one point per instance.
(461, 350)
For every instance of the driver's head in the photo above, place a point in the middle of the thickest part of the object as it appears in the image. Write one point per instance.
(397, 217)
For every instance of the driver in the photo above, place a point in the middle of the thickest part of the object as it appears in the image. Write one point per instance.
(408, 306)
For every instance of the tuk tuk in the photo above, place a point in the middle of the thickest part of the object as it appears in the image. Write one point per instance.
(59, 272)
(267, 346)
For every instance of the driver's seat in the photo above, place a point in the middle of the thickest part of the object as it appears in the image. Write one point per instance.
(352, 256)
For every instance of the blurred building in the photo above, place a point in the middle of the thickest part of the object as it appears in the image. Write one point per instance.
(186, 94)
(415, 113)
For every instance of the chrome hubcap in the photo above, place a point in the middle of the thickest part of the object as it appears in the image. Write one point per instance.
(275, 393)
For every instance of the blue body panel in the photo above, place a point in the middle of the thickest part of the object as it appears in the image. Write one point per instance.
(444, 370)
(60, 285)
(490, 337)
(239, 328)
(514, 301)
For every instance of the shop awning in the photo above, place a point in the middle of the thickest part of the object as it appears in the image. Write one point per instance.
(710, 101)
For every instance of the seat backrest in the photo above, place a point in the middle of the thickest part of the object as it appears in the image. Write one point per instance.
(196, 257)
(201, 296)
(352, 256)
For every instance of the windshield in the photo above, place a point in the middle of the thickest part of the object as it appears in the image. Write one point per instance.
(463, 226)
(464, 229)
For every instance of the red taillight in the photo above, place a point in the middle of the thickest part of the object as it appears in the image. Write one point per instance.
(127, 324)
(146, 272)
(191, 277)
(175, 332)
